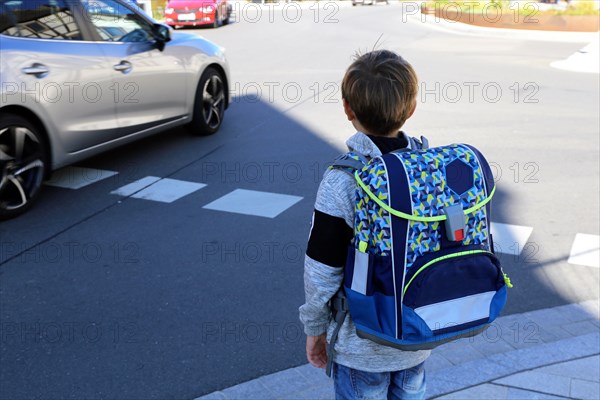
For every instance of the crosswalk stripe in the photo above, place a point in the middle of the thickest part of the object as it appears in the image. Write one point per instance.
(78, 177)
(585, 250)
(252, 202)
(510, 239)
(135, 186)
(164, 190)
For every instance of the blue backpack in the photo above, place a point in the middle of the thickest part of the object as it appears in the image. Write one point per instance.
(421, 270)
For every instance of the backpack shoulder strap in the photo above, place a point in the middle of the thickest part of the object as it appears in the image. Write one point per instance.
(416, 144)
(350, 162)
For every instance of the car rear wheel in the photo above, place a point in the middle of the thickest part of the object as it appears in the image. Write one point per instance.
(22, 165)
(209, 105)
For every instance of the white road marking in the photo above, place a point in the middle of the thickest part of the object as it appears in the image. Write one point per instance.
(510, 239)
(585, 60)
(251, 202)
(164, 190)
(78, 177)
(585, 250)
(136, 186)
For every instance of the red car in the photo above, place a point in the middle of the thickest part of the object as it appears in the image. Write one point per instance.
(197, 12)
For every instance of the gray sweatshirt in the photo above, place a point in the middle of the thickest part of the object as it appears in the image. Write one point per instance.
(323, 272)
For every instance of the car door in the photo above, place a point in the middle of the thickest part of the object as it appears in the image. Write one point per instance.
(150, 84)
(57, 73)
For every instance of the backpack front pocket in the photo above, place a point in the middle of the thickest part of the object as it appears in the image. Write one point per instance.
(455, 292)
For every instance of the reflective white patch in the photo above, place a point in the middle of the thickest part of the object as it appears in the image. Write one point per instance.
(361, 271)
(585, 250)
(457, 311)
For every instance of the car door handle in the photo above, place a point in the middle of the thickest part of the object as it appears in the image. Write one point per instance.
(39, 70)
(123, 66)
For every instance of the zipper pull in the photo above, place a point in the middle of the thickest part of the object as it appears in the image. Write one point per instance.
(507, 281)
(362, 246)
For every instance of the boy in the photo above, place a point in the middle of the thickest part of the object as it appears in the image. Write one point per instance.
(379, 93)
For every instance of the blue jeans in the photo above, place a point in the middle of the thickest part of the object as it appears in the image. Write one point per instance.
(351, 384)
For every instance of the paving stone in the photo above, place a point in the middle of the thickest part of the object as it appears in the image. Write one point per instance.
(553, 334)
(575, 312)
(584, 368)
(488, 344)
(547, 317)
(529, 336)
(580, 328)
(213, 396)
(437, 385)
(457, 344)
(436, 362)
(520, 394)
(584, 345)
(535, 380)
(315, 393)
(285, 382)
(549, 353)
(581, 389)
(509, 320)
(486, 391)
(254, 390)
(461, 354)
(514, 329)
(316, 376)
(476, 372)
(521, 333)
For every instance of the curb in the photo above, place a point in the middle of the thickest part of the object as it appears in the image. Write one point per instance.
(473, 30)
(513, 344)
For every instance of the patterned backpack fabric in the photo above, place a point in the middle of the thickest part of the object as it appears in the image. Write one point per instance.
(421, 270)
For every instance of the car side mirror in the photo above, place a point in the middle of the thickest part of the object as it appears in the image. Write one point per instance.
(161, 34)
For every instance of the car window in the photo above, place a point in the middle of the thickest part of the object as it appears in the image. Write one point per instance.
(114, 22)
(40, 19)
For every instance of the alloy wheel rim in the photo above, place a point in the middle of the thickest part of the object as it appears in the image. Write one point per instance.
(22, 170)
(213, 101)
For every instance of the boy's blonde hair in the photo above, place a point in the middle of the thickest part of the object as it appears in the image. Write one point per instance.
(381, 89)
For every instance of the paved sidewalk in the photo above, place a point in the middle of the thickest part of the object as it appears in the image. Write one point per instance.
(551, 353)
(458, 28)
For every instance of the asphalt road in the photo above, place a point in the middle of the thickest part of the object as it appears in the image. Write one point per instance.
(103, 296)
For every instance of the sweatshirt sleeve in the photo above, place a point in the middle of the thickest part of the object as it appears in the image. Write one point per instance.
(330, 235)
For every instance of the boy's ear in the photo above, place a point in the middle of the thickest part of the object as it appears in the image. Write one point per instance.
(349, 113)
(412, 111)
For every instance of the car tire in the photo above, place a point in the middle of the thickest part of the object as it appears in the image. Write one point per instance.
(209, 104)
(23, 167)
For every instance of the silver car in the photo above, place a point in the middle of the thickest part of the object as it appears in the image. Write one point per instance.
(78, 77)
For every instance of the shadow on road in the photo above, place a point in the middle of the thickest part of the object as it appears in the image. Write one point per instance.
(123, 298)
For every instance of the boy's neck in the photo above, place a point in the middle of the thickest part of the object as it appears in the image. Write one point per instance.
(358, 126)
(392, 134)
